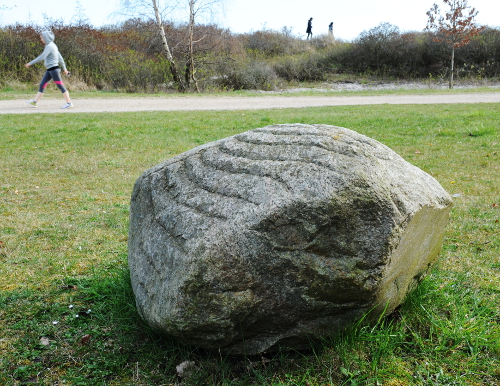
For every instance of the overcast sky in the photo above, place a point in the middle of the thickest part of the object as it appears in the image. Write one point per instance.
(350, 18)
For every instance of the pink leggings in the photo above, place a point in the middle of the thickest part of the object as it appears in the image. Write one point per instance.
(52, 73)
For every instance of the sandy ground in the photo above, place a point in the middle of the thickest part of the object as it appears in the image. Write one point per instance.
(233, 103)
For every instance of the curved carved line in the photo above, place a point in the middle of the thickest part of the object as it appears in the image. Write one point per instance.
(297, 144)
(311, 162)
(282, 182)
(195, 209)
(193, 178)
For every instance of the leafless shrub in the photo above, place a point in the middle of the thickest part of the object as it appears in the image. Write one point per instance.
(300, 68)
(268, 44)
(249, 75)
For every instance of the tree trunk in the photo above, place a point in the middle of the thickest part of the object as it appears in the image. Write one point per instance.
(170, 58)
(191, 50)
(451, 66)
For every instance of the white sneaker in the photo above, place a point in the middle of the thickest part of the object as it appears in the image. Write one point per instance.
(67, 106)
(32, 103)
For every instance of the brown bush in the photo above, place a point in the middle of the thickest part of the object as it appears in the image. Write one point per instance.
(268, 44)
(384, 50)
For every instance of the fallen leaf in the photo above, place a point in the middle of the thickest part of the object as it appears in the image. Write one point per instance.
(44, 341)
(85, 340)
(186, 369)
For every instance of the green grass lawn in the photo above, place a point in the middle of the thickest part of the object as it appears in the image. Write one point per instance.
(65, 186)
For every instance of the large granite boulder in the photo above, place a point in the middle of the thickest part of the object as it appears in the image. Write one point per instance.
(280, 235)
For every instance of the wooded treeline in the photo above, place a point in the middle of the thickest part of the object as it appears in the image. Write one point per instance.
(129, 56)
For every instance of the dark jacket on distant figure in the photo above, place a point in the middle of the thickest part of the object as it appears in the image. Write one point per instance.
(309, 26)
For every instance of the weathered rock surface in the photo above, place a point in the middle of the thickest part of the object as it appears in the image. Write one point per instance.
(279, 235)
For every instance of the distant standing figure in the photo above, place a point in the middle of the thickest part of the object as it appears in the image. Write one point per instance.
(52, 58)
(330, 28)
(309, 31)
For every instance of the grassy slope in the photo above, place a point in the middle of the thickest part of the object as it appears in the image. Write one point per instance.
(64, 194)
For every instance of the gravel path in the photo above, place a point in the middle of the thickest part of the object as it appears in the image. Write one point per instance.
(234, 103)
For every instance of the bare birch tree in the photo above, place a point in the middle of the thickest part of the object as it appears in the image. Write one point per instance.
(198, 8)
(151, 9)
(455, 28)
(155, 9)
(173, 65)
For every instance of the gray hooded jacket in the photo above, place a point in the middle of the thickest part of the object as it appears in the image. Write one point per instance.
(50, 54)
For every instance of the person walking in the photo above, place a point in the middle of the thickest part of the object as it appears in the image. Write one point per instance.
(52, 59)
(309, 29)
